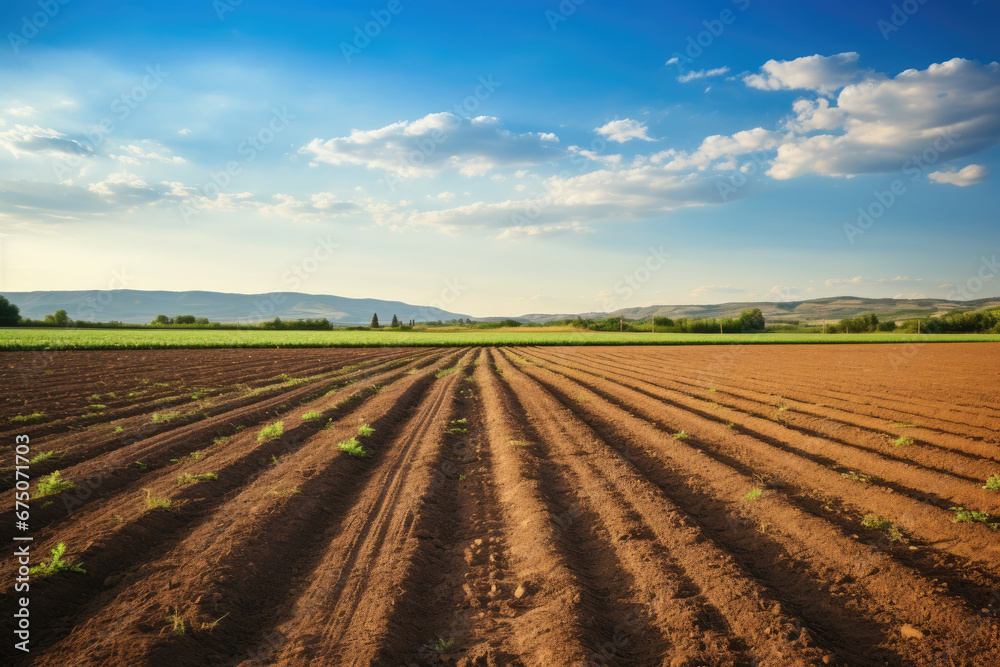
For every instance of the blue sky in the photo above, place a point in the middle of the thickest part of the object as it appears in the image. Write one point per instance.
(500, 160)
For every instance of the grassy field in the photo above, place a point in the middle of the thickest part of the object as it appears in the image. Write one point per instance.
(99, 339)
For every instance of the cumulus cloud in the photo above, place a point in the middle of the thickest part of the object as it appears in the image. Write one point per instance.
(968, 175)
(184, 131)
(33, 139)
(702, 74)
(717, 147)
(824, 74)
(624, 130)
(435, 143)
(887, 122)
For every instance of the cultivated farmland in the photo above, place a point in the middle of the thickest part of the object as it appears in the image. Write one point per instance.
(723, 505)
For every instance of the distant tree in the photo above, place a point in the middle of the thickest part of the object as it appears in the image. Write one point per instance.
(184, 319)
(10, 314)
(752, 320)
(202, 320)
(374, 324)
(161, 319)
(60, 319)
(395, 321)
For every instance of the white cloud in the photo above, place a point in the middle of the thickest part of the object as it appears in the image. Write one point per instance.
(184, 132)
(948, 111)
(135, 154)
(856, 280)
(538, 231)
(33, 139)
(910, 295)
(21, 112)
(717, 289)
(812, 115)
(435, 143)
(624, 130)
(824, 74)
(968, 175)
(702, 74)
(320, 205)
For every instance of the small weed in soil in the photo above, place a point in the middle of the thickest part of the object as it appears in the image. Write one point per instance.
(187, 478)
(365, 430)
(271, 432)
(963, 515)
(902, 441)
(992, 484)
(49, 485)
(681, 436)
(56, 565)
(155, 503)
(876, 522)
(353, 447)
(28, 419)
(754, 494)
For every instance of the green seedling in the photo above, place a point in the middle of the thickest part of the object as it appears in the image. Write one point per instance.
(142, 466)
(857, 476)
(97, 407)
(681, 436)
(461, 477)
(49, 485)
(119, 429)
(730, 425)
(354, 448)
(963, 515)
(521, 443)
(312, 416)
(993, 483)
(177, 622)
(42, 457)
(219, 440)
(163, 418)
(187, 478)
(48, 503)
(28, 419)
(443, 645)
(271, 432)
(155, 503)
(56, 565)
(902, 441)
(754, 494)
(903, 425)
(447, 371)
(875, 522)
(95, 397)
(198, 394)
(365, 430)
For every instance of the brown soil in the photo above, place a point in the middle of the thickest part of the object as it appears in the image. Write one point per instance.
(532, 506)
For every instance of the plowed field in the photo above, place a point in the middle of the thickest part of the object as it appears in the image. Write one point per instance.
(744, 505)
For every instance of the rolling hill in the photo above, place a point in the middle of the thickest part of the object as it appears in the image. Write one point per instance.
(139, 306)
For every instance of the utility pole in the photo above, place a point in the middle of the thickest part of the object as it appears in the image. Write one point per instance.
(652, 321)
(621, 323)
